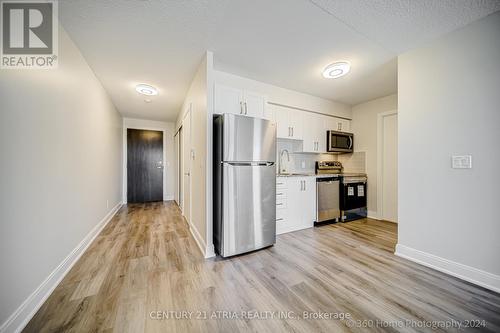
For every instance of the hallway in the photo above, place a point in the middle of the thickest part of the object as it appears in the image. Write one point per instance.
(145, 261)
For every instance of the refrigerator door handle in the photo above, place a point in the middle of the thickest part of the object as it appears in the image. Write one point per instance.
(248, 163)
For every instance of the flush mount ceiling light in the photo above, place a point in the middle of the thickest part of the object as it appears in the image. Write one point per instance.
(336, 70)
(146, 89)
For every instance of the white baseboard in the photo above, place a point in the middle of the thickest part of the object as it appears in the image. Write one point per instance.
(461, 271)
(281, 231)
(168, 198)
(210, 251)
(20, 318)
(373, 215)
(198, 239)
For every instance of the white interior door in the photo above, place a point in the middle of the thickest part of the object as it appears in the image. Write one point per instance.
(390, 168)
(186, 166)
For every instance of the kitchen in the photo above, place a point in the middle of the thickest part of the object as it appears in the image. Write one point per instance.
(320, 178)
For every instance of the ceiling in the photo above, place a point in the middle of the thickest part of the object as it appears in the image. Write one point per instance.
(282, 42)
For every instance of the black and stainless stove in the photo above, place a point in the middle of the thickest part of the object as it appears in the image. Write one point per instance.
(340, 196)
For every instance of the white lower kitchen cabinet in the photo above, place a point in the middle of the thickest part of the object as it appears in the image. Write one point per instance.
(295, 203)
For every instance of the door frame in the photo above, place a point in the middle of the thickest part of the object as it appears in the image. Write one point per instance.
(124, 160)
(380, 160)
(177, 166)
(187, 116)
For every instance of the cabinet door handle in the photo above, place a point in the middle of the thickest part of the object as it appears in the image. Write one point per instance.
(241, 107)
(304, 185)
(246, 108)
(292, 131)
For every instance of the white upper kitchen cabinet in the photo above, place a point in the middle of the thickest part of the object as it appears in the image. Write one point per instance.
(337, 124)
(228, 100)
(346, 125)
(342, 125)
(289, 122)
(254, 104)
(314, 132)
(240, 101)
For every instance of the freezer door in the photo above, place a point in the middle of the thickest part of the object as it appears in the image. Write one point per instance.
(248, 139)
(249, 208)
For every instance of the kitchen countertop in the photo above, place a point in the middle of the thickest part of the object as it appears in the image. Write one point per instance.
(344, 174)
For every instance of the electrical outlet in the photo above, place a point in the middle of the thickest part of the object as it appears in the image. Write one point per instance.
(461, 162)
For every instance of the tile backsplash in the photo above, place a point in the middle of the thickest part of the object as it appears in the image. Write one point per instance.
(355, 162)
(305, 163)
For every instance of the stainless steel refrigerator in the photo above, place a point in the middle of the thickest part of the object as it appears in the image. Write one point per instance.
(244, 184)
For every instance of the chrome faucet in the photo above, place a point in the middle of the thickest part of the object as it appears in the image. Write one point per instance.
(280, 169)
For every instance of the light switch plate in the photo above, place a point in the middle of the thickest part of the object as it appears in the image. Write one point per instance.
(461, 161)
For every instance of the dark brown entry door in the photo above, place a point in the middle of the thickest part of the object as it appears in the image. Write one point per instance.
(144, 165)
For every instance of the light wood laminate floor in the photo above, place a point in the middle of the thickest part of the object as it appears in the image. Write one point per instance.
(145, 261)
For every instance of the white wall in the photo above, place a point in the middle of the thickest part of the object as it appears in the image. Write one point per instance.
(201, 179)
(364, 127)
(284, 96)
(169, 157)
(61, 171)
(449, 104)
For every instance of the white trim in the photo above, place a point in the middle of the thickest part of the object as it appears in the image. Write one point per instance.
(373, 215)
(198, 239)
(210, 251)
(310, 111)
(291, 229)
(188, 113)
(168, 198)
(207, 250)
(380, 160)
(21, 317)
(461, 271)
(149, 125)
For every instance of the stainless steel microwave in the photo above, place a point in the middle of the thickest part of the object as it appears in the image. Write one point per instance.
(339, 142)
